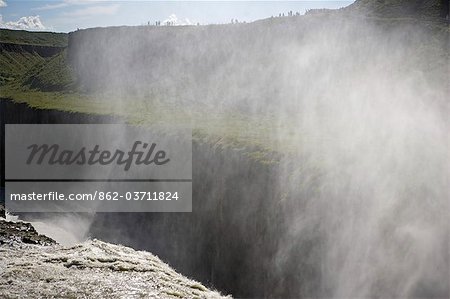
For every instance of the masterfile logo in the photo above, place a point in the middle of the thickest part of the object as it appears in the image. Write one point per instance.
(91, 168)
(52, 154)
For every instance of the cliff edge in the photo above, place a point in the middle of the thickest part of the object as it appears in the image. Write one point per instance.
(35, 266)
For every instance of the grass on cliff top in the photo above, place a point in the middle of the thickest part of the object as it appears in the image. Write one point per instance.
(23, 37)
(252, 136)
(31, 68)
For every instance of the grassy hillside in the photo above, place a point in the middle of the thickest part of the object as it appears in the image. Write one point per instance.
(13, 64)
(50, 74)
(33, 38)
(33, 58)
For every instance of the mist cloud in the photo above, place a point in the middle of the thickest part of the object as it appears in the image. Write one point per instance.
(359, 106)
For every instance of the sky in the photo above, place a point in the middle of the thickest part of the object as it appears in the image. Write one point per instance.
(69, 15)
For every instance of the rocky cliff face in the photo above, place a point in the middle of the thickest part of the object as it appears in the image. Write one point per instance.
(20, 113)
(21, 232)
(232, 237)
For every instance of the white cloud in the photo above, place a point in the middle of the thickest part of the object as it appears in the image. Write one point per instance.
(174, 21)
(24, 23)
(3, 3)
(94, 11)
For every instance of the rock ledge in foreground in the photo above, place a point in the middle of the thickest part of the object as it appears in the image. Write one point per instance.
(92, 269)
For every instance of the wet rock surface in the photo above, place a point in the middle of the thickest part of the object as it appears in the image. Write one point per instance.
(35, 266)
(22, 232)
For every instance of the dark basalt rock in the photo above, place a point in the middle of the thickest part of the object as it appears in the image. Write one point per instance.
(22, 232)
